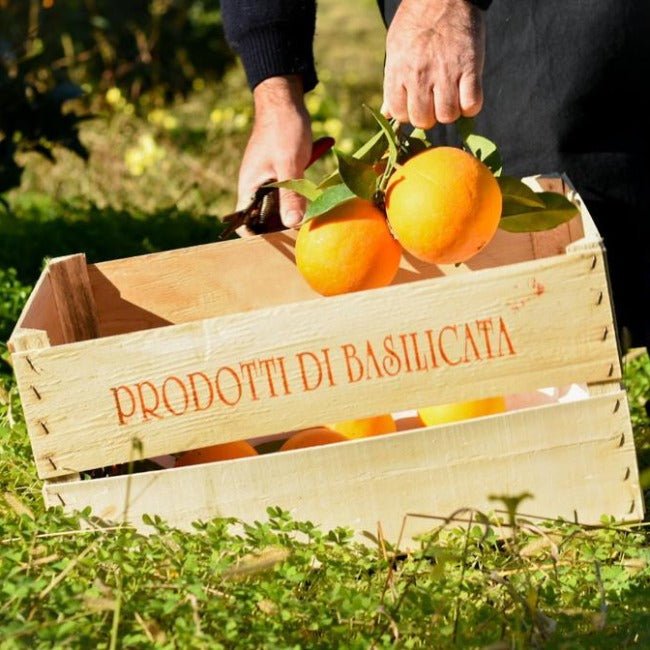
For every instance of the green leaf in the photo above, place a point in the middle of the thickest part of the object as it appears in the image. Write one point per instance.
(330, 198)
(465, 127)
(391, 136)
(486, 151)
(521, 218)
(301, 186)
(515, 191)
(411, 147)
(374, 149)
(369, 152)
(359, 176)
(481, 147)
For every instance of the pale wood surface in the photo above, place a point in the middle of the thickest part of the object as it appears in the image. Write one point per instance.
(554, 322)
(202, 282)
(23, 339)
(577, 459)
(73, 298)
(39, 313)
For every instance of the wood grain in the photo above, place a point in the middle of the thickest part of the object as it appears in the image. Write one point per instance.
(190, 284)
(73, 298)
(577, 459)
(550, 308)
(39, 313)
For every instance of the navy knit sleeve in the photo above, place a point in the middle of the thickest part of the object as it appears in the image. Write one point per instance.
(272, 37)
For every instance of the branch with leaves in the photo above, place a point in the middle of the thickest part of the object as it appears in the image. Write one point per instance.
(365, 174)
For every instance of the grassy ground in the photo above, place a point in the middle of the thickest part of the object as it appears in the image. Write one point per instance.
(159, 180)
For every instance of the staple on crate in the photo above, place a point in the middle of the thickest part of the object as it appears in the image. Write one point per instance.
(31, 365)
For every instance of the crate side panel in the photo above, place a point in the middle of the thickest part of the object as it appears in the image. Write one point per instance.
(195, 283)
(40, 311)
(505, 330)
(577, 459)
(73, 298)
(185, 285)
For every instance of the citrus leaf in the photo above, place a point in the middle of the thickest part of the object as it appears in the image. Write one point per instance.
(521, 218)
(391, 136)
(359, 176)
(411, 147)
(465, 127)
(515, 191)
(481, 147)
(330, 181)
(369, 152)
(301, 186)
(486, 151)
(374, 149)
(330, 198)
(418, 134)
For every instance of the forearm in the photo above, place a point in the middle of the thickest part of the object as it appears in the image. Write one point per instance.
(272, 38)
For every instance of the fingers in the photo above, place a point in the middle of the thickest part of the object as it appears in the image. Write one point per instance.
(292, 208)
(445, 103)
(470, 92)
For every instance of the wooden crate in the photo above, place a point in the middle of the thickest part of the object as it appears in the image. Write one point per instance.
(160, 353)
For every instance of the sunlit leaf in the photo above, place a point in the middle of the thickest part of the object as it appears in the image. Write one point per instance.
(374, 149)
(465, 127)
(515, 191)
(330, 198)
(302, 186)
(370, 152)
(481, 147)
(391, 136)
(359, 176)
(521, 218)
(486, 151)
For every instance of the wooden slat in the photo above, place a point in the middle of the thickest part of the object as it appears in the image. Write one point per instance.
(28, 377)
(229, 277)
(39, 313)
(577, 459)
(73, 297)
(23, 340)
(547, 311)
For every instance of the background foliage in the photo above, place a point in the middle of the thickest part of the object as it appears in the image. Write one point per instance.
(168, 129)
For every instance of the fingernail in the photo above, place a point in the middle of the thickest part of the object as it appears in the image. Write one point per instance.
(292, 218)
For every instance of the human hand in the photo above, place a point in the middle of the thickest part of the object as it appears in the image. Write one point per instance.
(279, 147)
(434, 62)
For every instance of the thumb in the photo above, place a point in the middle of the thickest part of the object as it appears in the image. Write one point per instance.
(292, 208)
(292, 205)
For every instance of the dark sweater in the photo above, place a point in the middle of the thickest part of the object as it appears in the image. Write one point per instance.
(275, 37)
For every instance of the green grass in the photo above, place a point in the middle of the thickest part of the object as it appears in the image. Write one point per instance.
(158, 181)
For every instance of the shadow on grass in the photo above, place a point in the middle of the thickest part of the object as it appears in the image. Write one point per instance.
(38, 228)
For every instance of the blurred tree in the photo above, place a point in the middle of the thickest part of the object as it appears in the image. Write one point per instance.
(140, 46)
(51, 49)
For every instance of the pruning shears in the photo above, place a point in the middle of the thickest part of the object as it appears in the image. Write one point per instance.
(262, 214)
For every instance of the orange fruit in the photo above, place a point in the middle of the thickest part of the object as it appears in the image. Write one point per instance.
(225, 451)
(349, 248)
(443, 205)
(312, 438)
(453, 412)
(363, 427)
